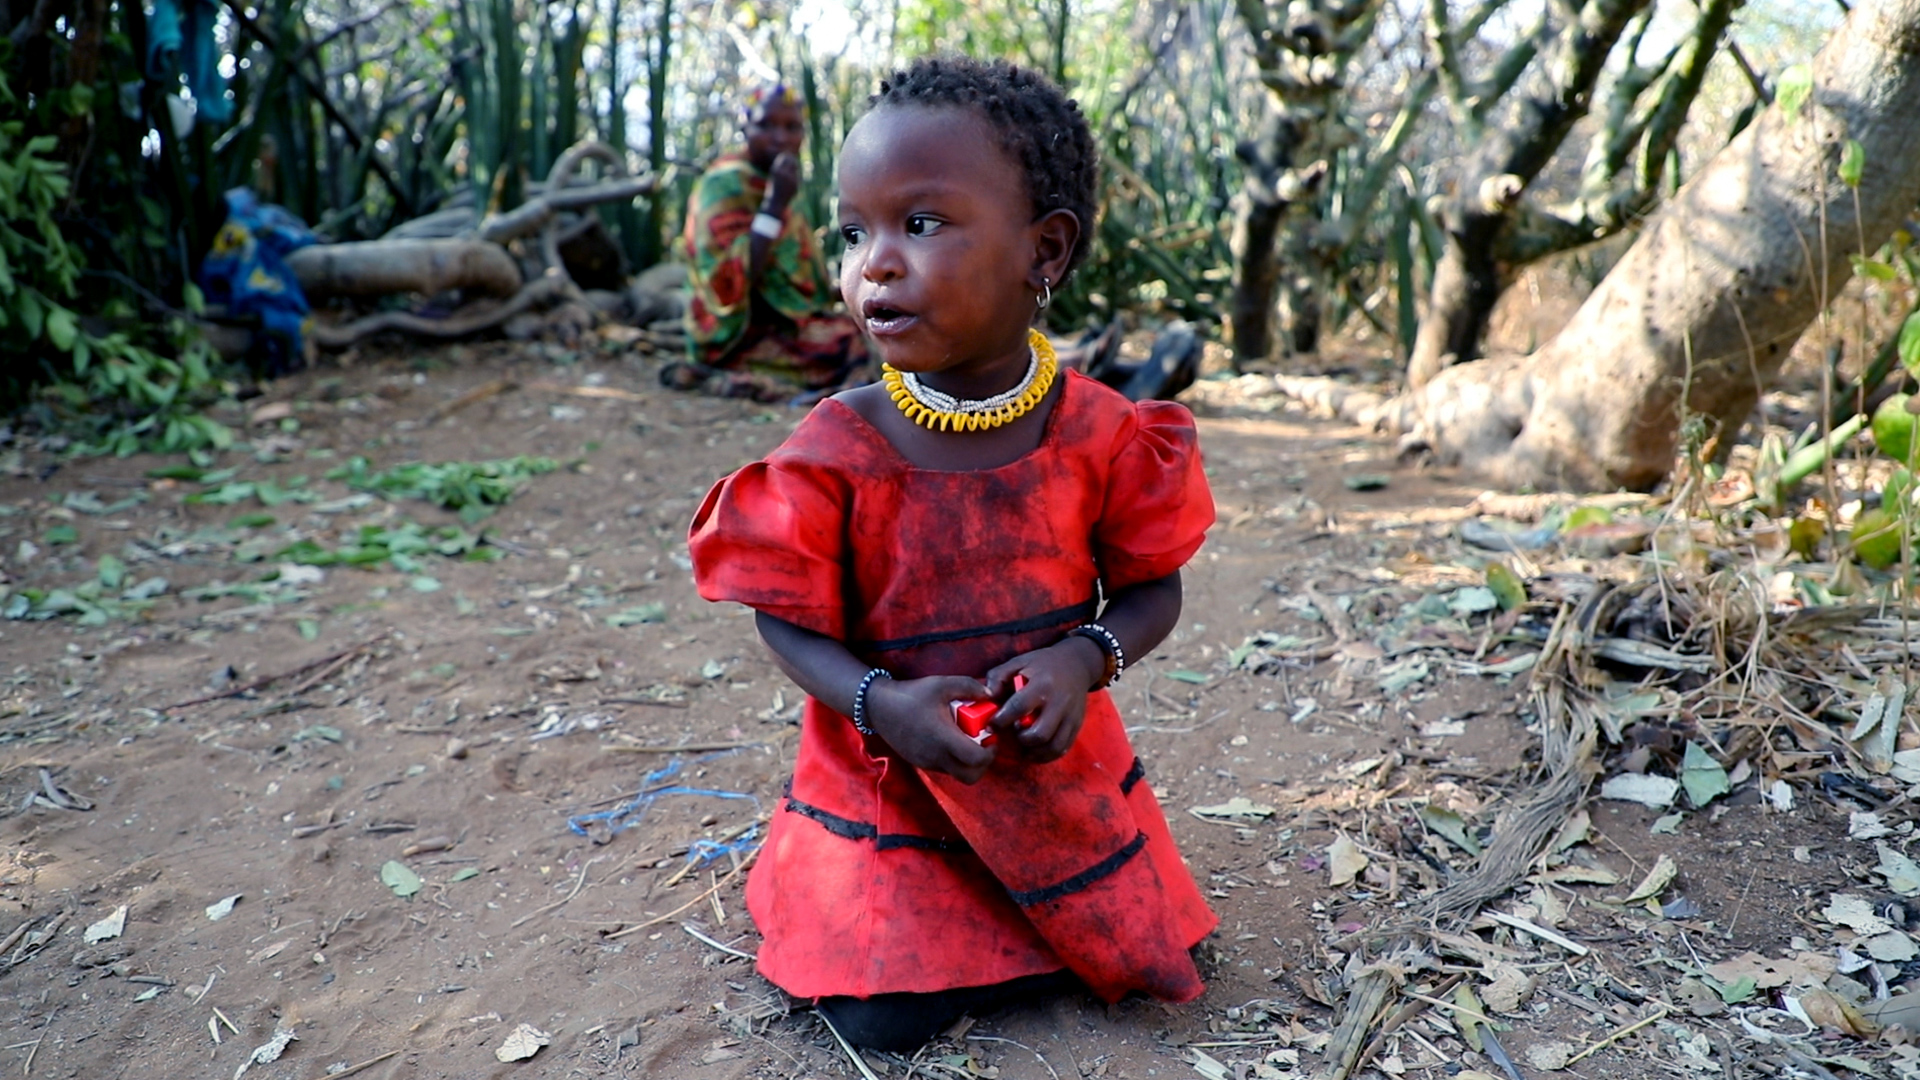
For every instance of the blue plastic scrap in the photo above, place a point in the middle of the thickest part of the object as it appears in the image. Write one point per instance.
(632, 811)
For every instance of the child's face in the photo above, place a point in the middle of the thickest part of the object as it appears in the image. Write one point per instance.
(944, 257)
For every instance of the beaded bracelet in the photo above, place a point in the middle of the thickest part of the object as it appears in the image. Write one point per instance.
(860, 700)
(1109, 644)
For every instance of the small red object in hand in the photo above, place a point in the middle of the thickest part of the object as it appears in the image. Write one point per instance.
(974, 716)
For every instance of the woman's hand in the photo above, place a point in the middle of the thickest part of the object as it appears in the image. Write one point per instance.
(915, 717)
(1044, 716)
(786, 182)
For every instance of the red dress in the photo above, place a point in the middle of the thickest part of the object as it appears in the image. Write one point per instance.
(877, 877)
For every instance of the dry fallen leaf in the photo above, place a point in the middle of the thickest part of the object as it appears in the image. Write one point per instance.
(108, 928)
(1767, 973)
(1345, 860)
(1507, 988)
(1657, 879)
(522, 1043)
(1856, 914)
(1833, 1012)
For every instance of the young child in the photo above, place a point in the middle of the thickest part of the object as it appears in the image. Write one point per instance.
(945, 537)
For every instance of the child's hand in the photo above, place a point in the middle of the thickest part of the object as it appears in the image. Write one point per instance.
(1044, 716)
(915, 717)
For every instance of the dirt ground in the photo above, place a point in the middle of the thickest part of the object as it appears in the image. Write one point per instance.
(452, 717)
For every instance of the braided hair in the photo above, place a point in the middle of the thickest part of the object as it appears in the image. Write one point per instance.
(1040, 127)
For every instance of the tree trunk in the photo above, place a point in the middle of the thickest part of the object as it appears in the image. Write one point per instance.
(1467, 281)
(1256, 228)
(1701, 312)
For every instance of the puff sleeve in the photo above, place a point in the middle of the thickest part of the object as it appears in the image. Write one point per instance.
(1158, 507)
(772, 536)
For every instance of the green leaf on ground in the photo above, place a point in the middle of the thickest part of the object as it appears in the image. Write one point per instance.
(1909, 347)
(396, 876)
(1451, 826)
(466, 874)
(1185, 676)
(634, 616)
(1507, 587)
(1702, 776)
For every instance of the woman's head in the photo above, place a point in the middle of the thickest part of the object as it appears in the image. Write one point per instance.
(966, 194)
(774, 123)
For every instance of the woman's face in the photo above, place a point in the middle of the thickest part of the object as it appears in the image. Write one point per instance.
(777, 128)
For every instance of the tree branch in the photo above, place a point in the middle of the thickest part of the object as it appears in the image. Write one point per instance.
(319, 92)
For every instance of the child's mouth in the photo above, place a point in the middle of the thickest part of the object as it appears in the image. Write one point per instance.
(883, 319)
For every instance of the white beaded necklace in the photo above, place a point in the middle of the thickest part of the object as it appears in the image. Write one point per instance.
(939, 402)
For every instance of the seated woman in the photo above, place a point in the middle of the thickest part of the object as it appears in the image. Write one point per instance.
(760, 322)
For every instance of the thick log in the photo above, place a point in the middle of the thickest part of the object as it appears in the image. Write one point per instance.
(383, 267)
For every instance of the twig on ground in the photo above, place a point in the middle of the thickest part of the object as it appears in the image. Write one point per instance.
(1021, 1045)
(26, 1068)
(578, 884)
(728, 949)
(223, 1019)
(1540, 932)
(1400, 1016)
(351, 1069)
(853, 1055)
(18, 933)
(472, 397)
(269, 680)
(1618, 1035)
(655, 702)
(693, 748)
(676, 912)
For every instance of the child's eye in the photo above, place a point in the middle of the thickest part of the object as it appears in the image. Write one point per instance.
(852, 234)
(922, 225)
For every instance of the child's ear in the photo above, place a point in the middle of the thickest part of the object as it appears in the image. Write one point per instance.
(1055, 235)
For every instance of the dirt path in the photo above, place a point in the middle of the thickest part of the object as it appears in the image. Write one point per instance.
(450, 717)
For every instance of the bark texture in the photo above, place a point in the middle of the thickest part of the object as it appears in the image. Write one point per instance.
(381, 267)
(1704, 308)
(1468, 277)
(1304, 49)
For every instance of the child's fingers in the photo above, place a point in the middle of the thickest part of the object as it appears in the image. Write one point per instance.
(958, 688)
(967, 760)
(1000, 679)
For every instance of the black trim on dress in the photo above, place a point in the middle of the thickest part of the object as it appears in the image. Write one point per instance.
(1134, 776)
(1084, 878)
(1078, 613)
(850, 829)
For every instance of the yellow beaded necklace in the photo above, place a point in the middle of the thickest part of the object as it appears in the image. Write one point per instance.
(934, 410)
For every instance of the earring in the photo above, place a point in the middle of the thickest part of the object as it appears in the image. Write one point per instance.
(1046, 293)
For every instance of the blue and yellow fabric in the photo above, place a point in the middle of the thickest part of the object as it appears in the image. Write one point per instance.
(246, 271)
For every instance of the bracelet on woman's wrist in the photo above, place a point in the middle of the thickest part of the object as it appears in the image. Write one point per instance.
(768, 225)
(1110, 645)
(860, 700)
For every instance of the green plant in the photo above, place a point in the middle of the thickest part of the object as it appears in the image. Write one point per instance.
(110, 594)
(402, 544)
(115, 394)
(470, 487)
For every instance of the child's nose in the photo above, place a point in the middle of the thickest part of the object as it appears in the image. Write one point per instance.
(883, 260)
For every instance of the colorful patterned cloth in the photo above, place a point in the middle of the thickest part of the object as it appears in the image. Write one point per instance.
(775, 340)
(878, 878)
